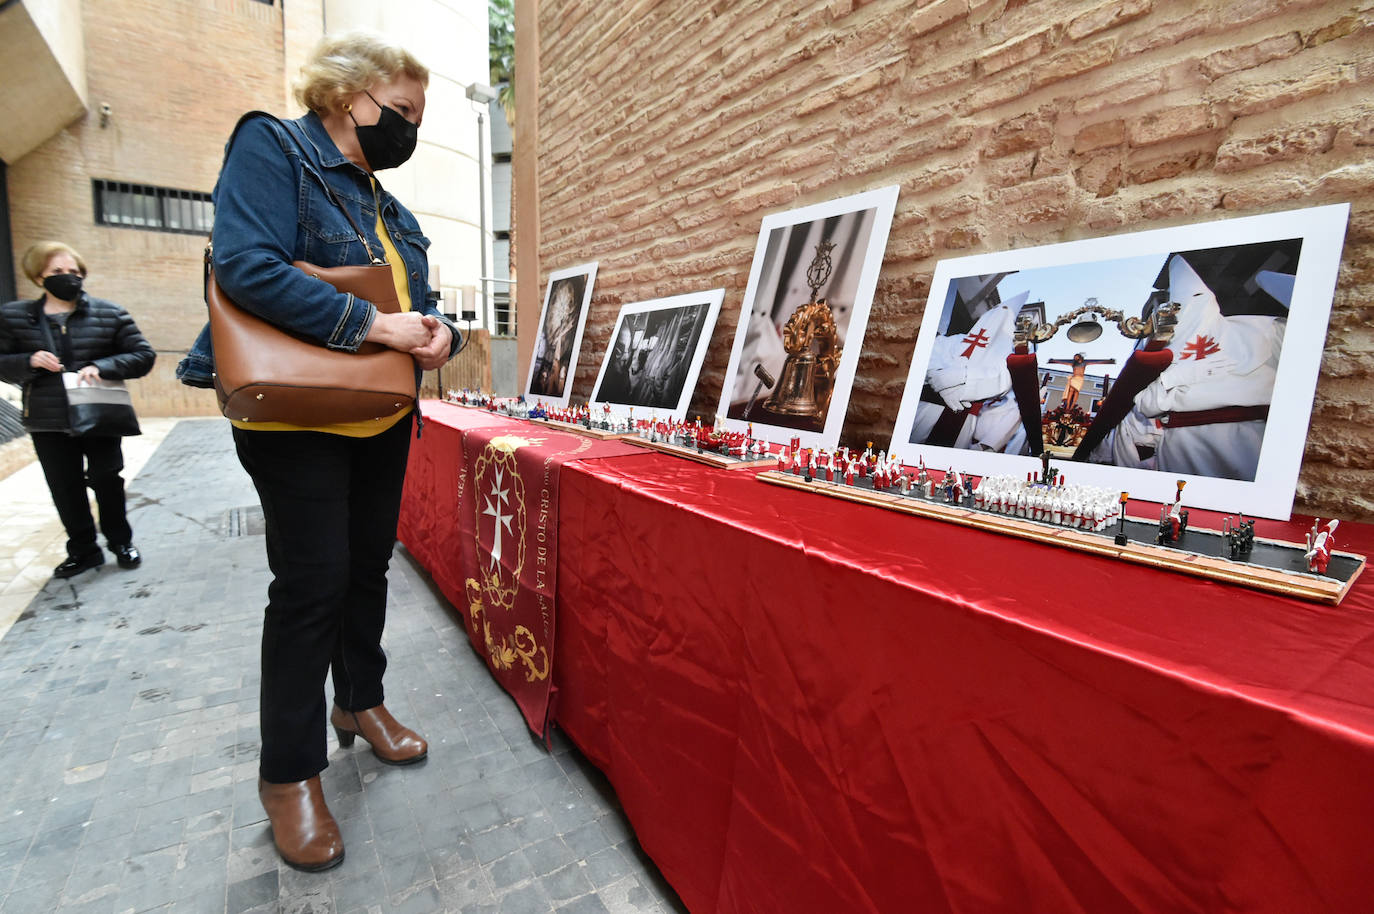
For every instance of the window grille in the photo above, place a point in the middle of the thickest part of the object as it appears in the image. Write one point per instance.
(158, 209)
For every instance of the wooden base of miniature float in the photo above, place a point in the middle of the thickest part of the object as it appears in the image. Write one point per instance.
(711, 458)
(1274, 566)
(583, 430)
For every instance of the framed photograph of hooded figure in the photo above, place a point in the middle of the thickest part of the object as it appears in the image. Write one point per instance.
(1134, 361)
(566, 302)
(656, 352)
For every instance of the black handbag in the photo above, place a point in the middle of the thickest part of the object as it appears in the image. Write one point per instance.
(99, 408)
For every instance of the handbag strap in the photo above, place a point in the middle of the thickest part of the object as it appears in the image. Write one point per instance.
(329, 191)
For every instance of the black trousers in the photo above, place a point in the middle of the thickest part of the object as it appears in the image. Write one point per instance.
(331, 504)
(70, 465)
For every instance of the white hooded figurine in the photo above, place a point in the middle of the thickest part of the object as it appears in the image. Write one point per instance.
(1207, 410)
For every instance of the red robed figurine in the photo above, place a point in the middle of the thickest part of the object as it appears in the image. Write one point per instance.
(1319, 545)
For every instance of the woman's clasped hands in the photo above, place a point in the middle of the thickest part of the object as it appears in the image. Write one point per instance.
(422, 335)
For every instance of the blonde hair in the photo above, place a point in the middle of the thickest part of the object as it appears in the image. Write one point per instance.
(345, 64)
(36, 259)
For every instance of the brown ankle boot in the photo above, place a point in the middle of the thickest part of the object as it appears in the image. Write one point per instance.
(391, 742)
(306, 835)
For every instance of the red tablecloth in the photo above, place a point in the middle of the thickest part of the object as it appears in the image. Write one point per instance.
(811, 706)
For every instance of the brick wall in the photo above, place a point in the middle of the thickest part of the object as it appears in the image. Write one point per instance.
(668, 130)
(176, 75)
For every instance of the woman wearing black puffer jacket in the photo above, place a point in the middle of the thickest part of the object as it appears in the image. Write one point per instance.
(65, 329)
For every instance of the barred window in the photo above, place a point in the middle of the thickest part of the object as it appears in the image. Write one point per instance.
(159, 209)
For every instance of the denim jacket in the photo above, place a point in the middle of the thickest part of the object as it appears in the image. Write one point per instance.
(271, 209)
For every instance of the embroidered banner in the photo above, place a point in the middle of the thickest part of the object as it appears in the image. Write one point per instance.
(506, 502)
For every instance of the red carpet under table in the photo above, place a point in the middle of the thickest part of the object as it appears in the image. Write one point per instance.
(811, 706)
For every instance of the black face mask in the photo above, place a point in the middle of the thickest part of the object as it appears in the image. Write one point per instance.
(390, 141)
(66, 286)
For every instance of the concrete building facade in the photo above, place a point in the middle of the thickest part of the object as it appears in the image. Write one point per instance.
(141, 95)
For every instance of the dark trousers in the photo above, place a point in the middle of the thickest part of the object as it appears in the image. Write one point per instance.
(331, 505)
(71, 464)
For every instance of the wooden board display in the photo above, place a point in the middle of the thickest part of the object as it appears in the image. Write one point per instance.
(1301, 584)
(588, 432)
(711, 458)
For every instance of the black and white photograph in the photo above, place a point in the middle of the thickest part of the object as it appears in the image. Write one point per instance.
(804, 315)
(1174, 359)
(566, 302)
(655, 353)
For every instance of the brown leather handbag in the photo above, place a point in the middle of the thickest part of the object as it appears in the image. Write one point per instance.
(264, 373)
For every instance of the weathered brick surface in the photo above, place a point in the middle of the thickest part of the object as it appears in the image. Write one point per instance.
(1171, 124)
(1103, 133)
(1107, 16)
(1243, 58)
(669, 130)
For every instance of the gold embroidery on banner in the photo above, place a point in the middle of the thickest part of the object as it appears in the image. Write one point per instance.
(503, 654)
(500, 496)
(528, 649)
(500, 501)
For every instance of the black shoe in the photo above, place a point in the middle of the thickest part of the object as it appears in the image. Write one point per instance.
(127, 556)
(74, 565)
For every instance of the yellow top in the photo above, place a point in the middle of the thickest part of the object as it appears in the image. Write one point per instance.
(364, 428)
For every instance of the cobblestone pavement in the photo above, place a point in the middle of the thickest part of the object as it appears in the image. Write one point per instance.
(128, 742)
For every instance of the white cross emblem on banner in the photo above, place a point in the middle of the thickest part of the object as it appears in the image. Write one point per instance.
(501, 494)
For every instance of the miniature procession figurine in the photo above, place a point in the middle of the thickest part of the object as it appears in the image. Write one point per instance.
(1319, 546)
(1173, 519)
(1121, 520)
(1047, 472)
(1239, 535)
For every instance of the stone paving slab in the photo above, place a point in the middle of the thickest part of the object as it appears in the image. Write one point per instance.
(129, 740)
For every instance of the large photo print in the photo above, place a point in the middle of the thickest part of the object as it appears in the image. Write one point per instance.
(803, 318)
(656, 352)
(566, 302)
(1190, 354)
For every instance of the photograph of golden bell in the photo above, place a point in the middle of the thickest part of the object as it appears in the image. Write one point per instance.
(811, 341)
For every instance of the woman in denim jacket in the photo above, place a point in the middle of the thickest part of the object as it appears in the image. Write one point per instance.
(330, 495)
